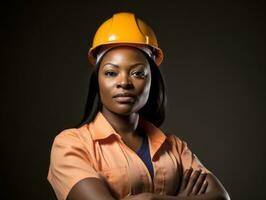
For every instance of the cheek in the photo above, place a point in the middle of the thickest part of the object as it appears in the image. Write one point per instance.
(144, 91)
(104, 87)
(148, 85)
(144, 87)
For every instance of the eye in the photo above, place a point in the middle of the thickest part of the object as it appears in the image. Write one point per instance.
(139, 74)
(110, 73)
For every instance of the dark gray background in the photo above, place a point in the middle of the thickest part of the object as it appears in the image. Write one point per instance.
(214, 69)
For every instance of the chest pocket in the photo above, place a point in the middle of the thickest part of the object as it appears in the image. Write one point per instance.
(118, 181)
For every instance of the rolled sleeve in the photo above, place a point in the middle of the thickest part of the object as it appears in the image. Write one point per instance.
(70, 162)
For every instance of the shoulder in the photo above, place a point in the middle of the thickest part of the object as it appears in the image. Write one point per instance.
(71, 142)
(67, 136)
(73, 137)
(69, 133)
(176, 142)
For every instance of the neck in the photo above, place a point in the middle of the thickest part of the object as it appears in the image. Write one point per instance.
(122, 124)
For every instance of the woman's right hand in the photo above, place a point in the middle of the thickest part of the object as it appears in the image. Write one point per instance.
(193, 184)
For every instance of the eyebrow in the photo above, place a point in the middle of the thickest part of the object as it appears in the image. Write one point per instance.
(117, 66)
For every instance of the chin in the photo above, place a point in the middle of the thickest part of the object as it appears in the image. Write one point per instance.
(124, 110)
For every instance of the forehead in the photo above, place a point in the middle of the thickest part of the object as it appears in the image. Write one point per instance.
(124, 54)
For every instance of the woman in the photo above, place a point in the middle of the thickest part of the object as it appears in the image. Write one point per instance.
(118, 151)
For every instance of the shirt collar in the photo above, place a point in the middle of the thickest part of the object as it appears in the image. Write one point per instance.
(102, 129)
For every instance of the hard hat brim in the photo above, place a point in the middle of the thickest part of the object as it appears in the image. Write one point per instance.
(158, 53)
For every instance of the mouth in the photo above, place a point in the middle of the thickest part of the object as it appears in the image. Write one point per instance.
(124, 98)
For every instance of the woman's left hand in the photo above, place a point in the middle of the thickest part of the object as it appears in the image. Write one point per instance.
(193, 184)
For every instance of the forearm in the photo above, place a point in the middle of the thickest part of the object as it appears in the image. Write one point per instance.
(209, 196)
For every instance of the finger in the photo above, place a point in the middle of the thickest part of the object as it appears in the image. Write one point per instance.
(193, 179)
(203, 188)
(199, 183)
(185, 179)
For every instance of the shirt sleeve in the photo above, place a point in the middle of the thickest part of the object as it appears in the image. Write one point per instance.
(187, 158)
(70, 162)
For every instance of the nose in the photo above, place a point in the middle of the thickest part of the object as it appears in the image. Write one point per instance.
(124, 82)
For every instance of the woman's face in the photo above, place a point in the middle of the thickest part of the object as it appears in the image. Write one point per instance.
(124, 80)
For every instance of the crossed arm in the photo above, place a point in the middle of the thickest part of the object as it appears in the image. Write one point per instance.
(194, 186)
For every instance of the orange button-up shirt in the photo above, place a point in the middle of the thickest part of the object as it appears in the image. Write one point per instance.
(97, 150)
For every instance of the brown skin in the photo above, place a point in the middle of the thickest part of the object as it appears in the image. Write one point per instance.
(126, 70)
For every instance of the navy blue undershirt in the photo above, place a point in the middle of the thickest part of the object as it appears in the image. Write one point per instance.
(144, 154)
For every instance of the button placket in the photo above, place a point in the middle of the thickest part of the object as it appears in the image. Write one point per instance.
(146, 171)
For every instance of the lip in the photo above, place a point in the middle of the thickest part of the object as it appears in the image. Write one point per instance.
(125, 98)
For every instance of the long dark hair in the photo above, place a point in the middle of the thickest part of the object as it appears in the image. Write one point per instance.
(154, 109)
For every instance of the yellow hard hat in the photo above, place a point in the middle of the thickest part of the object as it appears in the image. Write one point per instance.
(125, 29)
